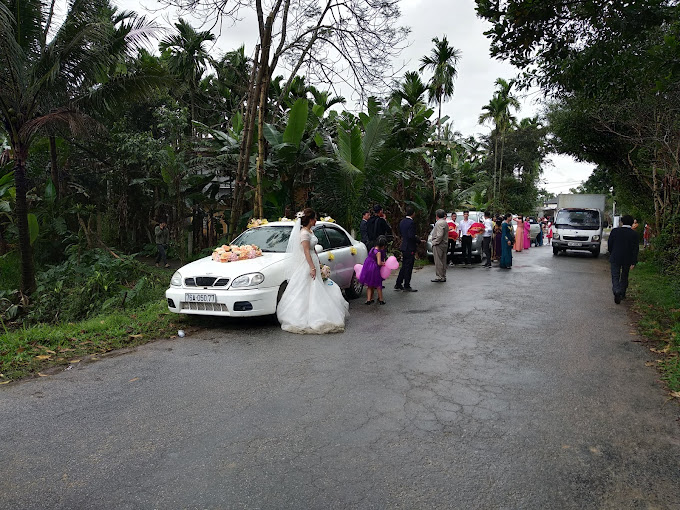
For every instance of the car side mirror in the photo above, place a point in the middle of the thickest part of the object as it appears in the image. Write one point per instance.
(318, 248)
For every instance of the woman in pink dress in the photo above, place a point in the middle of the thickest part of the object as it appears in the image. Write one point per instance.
(527, 233)
(519, 234)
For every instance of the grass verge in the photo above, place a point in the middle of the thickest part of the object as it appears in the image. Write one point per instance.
(657, 305)
(33, 350)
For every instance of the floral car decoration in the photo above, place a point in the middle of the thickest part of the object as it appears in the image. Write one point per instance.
(325, 272)
(327, 219)
(258, 222)
(353, 250)
(231, 253)
(284, 219)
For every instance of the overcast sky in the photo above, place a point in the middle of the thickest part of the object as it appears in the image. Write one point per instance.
(477, 71)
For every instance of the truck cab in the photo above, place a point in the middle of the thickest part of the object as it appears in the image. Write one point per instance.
(577, 229)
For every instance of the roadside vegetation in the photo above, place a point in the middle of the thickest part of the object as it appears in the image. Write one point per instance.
(91, 304)
(655, 283)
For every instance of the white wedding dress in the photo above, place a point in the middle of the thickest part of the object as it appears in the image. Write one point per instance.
(310, 306)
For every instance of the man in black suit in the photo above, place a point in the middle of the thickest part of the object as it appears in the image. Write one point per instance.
(376, 226)
(623, 246)
(363, 227)
(409, 241)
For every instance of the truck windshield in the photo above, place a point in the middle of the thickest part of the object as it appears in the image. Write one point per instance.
(575, 218)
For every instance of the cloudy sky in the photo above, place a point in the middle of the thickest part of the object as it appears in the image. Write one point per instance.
(477, 72)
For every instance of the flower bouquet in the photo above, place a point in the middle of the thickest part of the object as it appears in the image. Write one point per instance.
(257, 222)
(325, 272)
(232, 253)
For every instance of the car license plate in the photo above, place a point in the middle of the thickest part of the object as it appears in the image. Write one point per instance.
(200, 298)
(573, 244)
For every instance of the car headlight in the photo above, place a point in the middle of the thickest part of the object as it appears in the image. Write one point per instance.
(247, 280)
(176, 280)
(556, 235)
(596, 238)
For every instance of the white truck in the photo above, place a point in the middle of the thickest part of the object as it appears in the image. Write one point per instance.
(578, 223)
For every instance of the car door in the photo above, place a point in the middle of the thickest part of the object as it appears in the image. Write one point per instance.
(342, 265)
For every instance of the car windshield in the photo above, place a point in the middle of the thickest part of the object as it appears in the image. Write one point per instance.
(268, 239)
(574, 218)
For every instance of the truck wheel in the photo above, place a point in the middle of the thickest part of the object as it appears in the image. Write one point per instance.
(556, 251)
(596, 252)
(355, 288)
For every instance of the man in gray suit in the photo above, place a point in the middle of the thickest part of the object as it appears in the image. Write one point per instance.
(440, 244)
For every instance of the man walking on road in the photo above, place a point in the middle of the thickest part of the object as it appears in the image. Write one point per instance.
(623, 246)
(440, 243)
(409, 241)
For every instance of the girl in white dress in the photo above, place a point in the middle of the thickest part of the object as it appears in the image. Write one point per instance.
(309, 305)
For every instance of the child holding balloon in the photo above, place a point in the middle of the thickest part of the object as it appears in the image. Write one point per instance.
(370, 273)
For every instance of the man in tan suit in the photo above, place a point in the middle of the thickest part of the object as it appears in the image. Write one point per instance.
(440, 245)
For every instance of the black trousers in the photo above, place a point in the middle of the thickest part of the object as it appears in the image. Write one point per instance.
(452, 246)
(408, 258)
(619, 278)
(162, 255)
(486, 248)
(466, 243)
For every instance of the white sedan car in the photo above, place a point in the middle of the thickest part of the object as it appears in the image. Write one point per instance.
(255, 286)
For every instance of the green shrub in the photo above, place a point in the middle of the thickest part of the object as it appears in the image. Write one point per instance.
(90, 283)
(10, 271)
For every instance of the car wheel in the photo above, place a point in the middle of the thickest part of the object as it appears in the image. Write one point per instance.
(478, 259)
(556, 251)
(355, 288)
(282, 289)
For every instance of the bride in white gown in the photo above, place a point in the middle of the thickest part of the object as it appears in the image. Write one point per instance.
(309, 305)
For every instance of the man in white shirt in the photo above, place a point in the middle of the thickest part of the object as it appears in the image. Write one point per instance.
(465, 238)
(486, 239)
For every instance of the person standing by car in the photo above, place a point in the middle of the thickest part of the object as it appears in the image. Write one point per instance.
(486, 239)
(440, 236)
(466, 239)
(409, 242)
(453, 235)
(623, 246)
(162, 241)
(377, 226)
(363, 228)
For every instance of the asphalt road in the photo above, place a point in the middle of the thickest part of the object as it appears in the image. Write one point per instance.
(520, 389)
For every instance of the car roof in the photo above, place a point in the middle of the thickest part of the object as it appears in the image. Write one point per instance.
(291, 223)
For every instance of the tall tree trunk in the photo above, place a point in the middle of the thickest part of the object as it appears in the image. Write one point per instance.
(246, 141)
(495, 156)
(25, 250)
(54, 169)
(262, 110)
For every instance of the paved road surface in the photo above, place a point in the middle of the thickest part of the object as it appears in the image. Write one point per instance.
(497, 390)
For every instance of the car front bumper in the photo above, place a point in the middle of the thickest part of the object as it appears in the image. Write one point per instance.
(228, 303)
(576, 245)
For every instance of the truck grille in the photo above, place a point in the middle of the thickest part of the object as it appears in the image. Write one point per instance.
(575, 238)
(203, 307)
(206, 281)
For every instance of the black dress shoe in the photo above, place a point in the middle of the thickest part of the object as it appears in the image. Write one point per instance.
(617, 299)
(397, 288)
(409, 289)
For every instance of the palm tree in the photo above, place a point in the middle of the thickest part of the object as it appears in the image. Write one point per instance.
(49, 75)
(188, 59)
(442, 61)
(498, 113)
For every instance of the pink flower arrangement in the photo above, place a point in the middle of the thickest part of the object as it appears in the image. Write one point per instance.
(232, 253)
